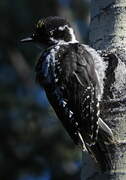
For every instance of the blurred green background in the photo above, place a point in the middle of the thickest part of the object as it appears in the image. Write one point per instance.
(33, 143)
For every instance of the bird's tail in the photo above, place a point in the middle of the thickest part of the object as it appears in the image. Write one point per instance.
(101, 149)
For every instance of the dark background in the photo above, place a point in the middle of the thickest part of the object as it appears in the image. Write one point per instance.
(33, 143)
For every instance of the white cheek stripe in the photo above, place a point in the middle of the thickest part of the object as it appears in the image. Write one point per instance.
(71, 32)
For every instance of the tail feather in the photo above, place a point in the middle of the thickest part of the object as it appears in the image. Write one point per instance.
(101, 156)
(101, 150)
(104, 129)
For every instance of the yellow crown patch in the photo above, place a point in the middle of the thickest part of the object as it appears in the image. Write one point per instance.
(40, 23)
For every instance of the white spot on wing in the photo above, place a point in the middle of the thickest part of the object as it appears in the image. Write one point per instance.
(97, 105)
(70, 114)
(76, 123)
(64, 103)
(87, 106)
(98, 113)
(88, 87)
(56, 80)
(88, 97)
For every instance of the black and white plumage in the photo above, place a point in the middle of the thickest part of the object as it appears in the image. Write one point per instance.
(72, 75)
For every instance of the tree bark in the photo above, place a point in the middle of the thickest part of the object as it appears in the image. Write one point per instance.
(108, 34)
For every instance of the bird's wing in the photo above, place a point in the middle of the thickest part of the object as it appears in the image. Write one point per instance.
(80, 90)
(47, 74)
(71, 82)
(79, 81)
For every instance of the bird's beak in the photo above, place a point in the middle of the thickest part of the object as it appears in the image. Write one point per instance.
(28, 39)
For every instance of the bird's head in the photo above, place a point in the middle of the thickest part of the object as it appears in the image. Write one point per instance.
(52, 30)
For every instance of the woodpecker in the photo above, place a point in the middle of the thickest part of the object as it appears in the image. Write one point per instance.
(72, 75)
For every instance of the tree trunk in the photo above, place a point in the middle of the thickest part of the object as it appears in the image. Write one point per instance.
(108, 34)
